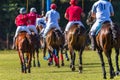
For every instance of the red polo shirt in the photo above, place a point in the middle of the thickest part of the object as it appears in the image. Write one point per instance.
(74, 13)
(21, 20)
(32, 18)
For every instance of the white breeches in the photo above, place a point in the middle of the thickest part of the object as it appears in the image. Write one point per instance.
(32, 28)
(21, 28)
(69, 24)
(97, 24)
(49, 26)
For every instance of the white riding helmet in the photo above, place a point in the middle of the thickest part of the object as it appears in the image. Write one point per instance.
(23, 11)
(33, 9)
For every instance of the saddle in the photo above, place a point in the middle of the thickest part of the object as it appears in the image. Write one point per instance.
(57, 32)
(80, 29)
(100, 26)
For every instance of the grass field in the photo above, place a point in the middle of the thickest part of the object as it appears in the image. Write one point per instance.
(10, 68)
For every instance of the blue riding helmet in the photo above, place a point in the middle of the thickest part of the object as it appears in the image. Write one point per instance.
(23, 11)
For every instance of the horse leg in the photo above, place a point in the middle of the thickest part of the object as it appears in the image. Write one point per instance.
(34, 59)
(116, 61)
(80, 61)
(102, 63)
(21, 56)
(61, 56)
(29, 55)
(72, 65)
(66, 55)
(112, 74)
(38, 62)
(44, 53)
(56, 52)
(50, 58)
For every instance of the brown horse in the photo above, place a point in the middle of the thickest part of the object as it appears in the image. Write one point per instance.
(76, 37)
(54, 43)
(36, 45)
(105, 43)
(24, 45)
(39, 29)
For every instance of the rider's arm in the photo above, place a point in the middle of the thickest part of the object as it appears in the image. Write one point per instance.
(66, 16)
(112, 14)
(93, 14)
(83, 14)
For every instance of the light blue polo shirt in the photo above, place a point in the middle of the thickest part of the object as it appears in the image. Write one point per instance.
(103, 9)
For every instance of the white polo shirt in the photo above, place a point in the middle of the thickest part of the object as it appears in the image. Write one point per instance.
(52, 16)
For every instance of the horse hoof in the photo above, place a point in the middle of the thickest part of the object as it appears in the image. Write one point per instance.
(38, 65)
(111, 77)
(104, 78)
(117, 73)
(58, 66)
(80, 71)
(70, 66)
(62, 64)
(49, 64)
(67, 59)
(34, 65)
(73, 68)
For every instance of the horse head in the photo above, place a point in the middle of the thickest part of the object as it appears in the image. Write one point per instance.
(90, 20)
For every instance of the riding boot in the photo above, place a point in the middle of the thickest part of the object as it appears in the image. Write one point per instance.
(93, 42)
(66, 41)
(13, 46)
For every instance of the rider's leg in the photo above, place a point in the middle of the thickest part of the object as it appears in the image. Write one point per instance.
(14, 38)
(93, 40)
(66, 32)
(48, 27)
(92, 35)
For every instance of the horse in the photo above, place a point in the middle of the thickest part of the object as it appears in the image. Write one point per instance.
(54, 44)
(40, 27)
(76, 38)
(24, 46)
(36, 45)
(105, 43)
(116, 45)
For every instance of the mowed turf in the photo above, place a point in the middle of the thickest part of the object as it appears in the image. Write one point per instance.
(10, 68)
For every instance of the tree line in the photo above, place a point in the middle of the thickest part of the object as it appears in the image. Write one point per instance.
(9, 9)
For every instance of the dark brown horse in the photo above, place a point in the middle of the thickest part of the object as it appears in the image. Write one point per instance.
(24, 48)
(76, 41)
(54, 43)
(105, 43)
(116, 45)
(36, 45)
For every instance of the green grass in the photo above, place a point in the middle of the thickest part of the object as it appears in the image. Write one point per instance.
(10, 68)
